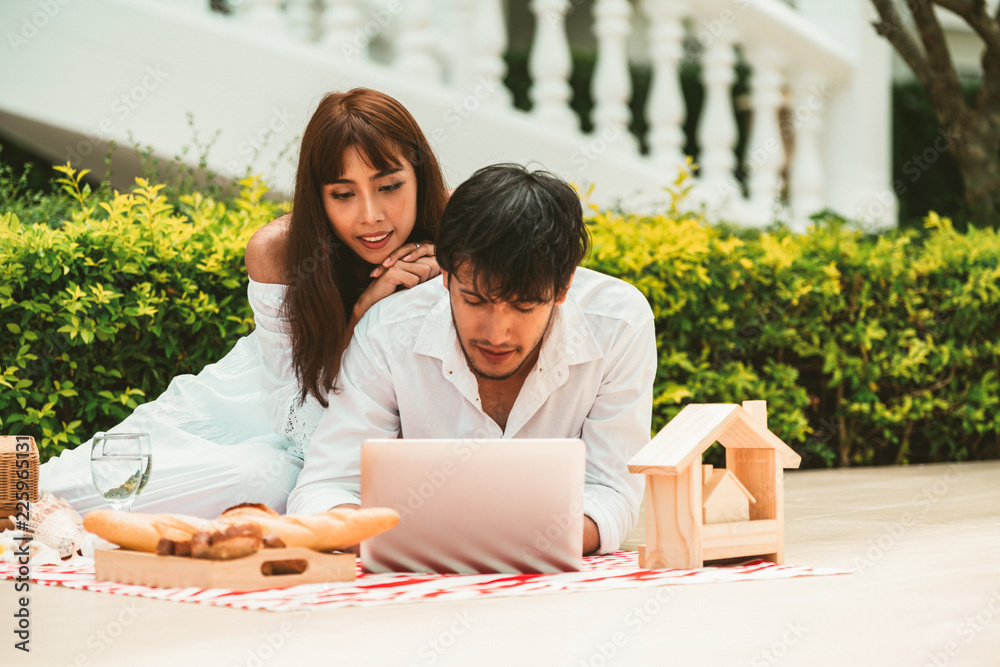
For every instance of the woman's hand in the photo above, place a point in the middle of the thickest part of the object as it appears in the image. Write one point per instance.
(406, 267)
(408, 253)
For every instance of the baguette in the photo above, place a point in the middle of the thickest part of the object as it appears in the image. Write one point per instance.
(326, 531)
(143, 532)
(239, 531)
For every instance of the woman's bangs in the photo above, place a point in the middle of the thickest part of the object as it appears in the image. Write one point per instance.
(327, 163)
(377, 150)
(380, 151)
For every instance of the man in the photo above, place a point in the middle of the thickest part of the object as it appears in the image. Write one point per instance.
(514, 341)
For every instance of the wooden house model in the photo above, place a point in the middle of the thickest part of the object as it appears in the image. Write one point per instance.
(723, 497)
(695, 513)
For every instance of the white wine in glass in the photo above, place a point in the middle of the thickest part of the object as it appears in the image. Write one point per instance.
(117, 466)
(147, 460)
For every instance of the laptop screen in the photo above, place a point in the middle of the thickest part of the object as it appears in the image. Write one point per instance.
(470, 506)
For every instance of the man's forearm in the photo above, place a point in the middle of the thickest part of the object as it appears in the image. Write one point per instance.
(591, 536)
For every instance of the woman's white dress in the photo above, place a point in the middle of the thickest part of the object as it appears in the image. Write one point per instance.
(233, 433)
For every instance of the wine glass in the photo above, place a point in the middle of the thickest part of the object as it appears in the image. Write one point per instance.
(147, 460)
(117, 466)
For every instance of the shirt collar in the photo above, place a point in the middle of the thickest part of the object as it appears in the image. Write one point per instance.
(437, 337)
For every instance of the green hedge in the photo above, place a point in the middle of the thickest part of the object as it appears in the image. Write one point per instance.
(868, 350)
(99, 311)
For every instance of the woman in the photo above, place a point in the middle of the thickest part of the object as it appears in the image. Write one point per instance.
(368, 196)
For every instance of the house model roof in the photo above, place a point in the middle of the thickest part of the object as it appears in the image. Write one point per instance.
(715, 478)
(698, 427)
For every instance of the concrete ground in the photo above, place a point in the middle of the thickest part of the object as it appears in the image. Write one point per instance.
(923, 543)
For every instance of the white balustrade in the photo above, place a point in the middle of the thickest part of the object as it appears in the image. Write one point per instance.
(490, 32)
(459, 22)
(471, 37)
(806, 167)
(417, 42)
(717, 131)
(612, 83)
(341, 28)
(765, 155)
(550, 63)
(665, 109)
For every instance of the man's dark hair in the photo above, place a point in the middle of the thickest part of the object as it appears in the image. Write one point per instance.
(520, 232)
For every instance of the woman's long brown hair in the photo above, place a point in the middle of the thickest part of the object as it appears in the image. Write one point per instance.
(326, 277)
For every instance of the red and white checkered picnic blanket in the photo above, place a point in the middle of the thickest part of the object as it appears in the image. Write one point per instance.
(618, 570)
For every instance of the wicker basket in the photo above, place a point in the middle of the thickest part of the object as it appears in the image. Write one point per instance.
(14, 448)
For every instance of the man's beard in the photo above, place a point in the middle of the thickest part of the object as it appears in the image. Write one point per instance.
(479, 372)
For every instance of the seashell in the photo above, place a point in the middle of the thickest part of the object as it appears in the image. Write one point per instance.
(53, 523)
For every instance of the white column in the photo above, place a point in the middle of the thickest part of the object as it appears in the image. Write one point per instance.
(612, 84)
(461, 45)
(302, 19)
(341, 23)
(717, 126)
(806, 166)
(417, 42)
(490, 30)
(265, 14)
(550, 64)
(857, 117)
(765, 156)
(665, 109)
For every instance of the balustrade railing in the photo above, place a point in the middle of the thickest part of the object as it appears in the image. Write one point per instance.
(460, 42)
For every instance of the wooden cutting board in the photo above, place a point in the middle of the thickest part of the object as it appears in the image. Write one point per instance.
(268, 568)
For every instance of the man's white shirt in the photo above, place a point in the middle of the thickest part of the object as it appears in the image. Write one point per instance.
(405, 375)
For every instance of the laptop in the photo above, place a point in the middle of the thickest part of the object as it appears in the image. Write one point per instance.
(471, 506)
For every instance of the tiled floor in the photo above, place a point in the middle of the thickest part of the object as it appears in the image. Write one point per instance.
(924, 544)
